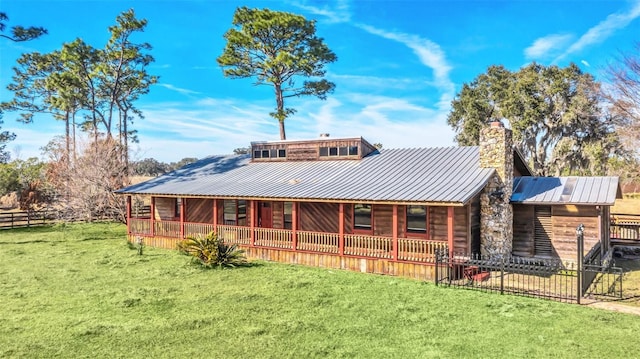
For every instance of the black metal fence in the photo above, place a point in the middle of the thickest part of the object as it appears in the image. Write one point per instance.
(540, 278)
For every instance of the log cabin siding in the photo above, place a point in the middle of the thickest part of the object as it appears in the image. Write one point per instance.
(383, 220)
(199, 210)
(439, 231)
(523, 230)
(348, 218)
(565, 220)
(319, 217)
(165, 209)
(562, 232)
(277, 214)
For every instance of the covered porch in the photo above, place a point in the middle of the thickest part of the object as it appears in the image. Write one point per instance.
(343, 235)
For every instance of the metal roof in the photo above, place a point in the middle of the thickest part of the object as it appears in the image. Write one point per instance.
(566, 190)
(445, 175)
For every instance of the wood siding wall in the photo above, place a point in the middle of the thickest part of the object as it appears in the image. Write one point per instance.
(277, 214)
(319, 217)
(523, 230)
(564, 221)
(199, 210)
(165, 209)
(439, 231)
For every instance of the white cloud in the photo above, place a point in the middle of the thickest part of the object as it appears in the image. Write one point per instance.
(546, 46)
(603, 30)
(178, 89)
(338, 13)
(585, 63)
(429, 53)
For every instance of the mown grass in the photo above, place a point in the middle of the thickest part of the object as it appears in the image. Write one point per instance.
(79, 291)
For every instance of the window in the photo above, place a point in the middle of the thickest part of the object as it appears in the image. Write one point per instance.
(542, 230)
(324, 151)
(362, 216)
(417, 219)
(282, 153)
(257, 154)
(288, 215)
(353, 151)
(178, 207)
(342, 151)
(265, 153)
(235, 212)
(273, 153)
(333, 151)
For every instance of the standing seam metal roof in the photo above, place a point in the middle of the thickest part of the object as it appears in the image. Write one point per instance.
(446, 175)
(566, 190)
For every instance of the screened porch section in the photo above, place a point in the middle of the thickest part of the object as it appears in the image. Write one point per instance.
(394, 232)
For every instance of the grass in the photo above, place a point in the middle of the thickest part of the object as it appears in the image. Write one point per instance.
(79, 291)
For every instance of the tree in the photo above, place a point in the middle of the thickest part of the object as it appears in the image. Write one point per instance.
(624, 95)
(20, 33)
(555, 113)
(242, 150)
(277, 48)
(149, 167)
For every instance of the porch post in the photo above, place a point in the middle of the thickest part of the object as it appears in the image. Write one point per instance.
(252, 221)
(152, 208)
(128, 214)
(428, 224)
(294, 225)
(215, 214)
(183, 205)
(341, 230)
(394, 232)
(450, 214)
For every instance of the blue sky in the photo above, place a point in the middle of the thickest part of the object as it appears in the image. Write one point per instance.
(400, 63)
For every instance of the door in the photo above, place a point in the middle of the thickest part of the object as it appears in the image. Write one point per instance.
(265, 219)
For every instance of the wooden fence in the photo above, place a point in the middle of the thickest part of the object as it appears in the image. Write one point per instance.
(23, 219)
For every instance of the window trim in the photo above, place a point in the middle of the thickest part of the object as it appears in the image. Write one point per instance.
(416, 233)
(362, 230)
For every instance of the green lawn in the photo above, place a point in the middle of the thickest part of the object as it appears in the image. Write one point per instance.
(79, 291)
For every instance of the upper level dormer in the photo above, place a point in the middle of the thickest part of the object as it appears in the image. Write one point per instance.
(323, 148)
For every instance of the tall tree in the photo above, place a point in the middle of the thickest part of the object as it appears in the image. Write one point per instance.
(277, 48)
(555, 114)
(624, 95)
(20, 33)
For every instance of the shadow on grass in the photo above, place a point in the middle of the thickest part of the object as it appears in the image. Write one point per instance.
(33, 241)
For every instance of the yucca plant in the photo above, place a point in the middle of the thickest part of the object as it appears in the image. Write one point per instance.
(211, 251)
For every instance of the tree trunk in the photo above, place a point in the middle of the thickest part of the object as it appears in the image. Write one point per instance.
(280, 114)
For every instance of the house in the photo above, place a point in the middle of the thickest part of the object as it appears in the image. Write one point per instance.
(341, 203)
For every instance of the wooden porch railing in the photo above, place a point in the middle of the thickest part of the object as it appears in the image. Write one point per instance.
(169, 229)
(368, 246)
(625, 226)
(361, 245)
(275, 238)
(193, 229)
(318, 242)
(234, 234)
(419, 250)
(139, 226)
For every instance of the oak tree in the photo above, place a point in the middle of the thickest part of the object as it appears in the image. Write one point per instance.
(277, 48)
(556, 114)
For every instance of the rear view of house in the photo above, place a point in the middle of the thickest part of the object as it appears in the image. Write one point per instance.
(341, 203)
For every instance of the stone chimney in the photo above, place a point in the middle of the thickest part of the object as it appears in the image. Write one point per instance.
(496, 213)
(324, 135)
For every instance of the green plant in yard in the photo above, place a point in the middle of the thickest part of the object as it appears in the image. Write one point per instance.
(211, 251)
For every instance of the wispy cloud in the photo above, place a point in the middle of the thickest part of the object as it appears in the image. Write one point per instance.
(603, 30)
(333, 14)
(547, 46)
(585, 63)
(178, 89)
(429, 53)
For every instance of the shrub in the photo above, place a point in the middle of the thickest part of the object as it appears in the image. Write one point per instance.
(211, 251)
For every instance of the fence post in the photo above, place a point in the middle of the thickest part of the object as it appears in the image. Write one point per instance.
(580, 239)
(437, 265)
(502, 274)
